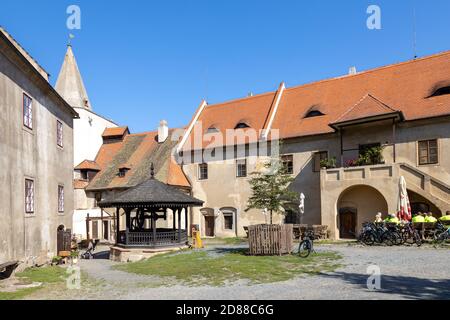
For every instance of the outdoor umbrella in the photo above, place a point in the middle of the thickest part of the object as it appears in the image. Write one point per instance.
(404, 207)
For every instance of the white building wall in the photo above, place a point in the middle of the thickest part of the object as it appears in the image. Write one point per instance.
(88, 132)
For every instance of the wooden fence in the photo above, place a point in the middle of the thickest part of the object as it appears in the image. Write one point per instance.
(270, 240)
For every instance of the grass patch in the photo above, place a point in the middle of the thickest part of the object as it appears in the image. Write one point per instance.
(44, 275)
(220, 268)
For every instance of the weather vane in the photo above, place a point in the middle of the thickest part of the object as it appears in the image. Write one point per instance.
(71, 36)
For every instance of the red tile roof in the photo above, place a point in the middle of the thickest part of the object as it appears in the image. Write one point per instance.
(115, 132)
(137, 152)
(80, 184)
(88, 165)
(367, 107)
(404, 87)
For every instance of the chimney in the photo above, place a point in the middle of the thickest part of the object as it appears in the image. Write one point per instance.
(352, 71)
(163, 131)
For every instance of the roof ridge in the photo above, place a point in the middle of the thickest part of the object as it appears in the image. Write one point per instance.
(388, 66)
(239, 99)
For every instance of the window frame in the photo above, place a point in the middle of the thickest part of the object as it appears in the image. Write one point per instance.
(61, 199)
(31, 196)
(428, 160)
(284, 162)
(228, 215)
(59, 134)
(199, 173)
(29, 114)
(320, 159)
(244, 172)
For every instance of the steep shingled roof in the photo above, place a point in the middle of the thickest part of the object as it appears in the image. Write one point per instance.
(70, 83)
(138, 152)
(88, 165)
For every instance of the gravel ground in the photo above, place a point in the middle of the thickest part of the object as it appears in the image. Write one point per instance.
(406, 273)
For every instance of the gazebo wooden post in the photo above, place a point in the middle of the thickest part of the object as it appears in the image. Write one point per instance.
(174, 211)
(179, 225)
(128, 218)
(88, 220)
(186, 219)
(117, 224)
(154, 219)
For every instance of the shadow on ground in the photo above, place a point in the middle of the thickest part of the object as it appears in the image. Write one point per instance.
(104, 255)
(407, 287)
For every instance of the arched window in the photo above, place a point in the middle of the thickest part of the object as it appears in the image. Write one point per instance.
(441, 91)
(314, 113)
(242, 125)
(212, 129)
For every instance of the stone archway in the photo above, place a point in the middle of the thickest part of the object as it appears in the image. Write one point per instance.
(422, 204)
(356, 205)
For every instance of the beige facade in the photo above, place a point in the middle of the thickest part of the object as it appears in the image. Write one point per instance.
(32, 152)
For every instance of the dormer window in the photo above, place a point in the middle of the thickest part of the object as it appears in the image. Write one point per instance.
(314, 113)
(212, 129)
(123, 172)
(242, 125)
(441, 91)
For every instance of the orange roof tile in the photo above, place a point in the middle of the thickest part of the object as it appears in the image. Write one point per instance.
(80, 184)
(404, 87)
(137, 152)
(367, 107)
(115, 132)
(88, 165)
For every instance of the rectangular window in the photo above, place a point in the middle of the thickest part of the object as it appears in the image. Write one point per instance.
(27, 111)
(241, 168)
(29, 196)
(203, 171)
(318, 157)
(60, 199)
(428, 152)
(287, 162)
(59, 133)
(228, 221)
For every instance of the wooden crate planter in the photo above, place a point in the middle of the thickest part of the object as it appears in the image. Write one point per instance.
(270, 240)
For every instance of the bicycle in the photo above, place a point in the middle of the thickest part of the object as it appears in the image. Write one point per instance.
(411, 235)
(442, 233)
(306, 245)
(377, 232)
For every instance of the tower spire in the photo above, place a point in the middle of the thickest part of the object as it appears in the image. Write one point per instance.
(70, 83)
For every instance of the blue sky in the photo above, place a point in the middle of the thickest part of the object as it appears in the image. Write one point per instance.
(143, 61)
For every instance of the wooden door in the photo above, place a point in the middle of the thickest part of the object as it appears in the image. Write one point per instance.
(209, 226)
(347, 224)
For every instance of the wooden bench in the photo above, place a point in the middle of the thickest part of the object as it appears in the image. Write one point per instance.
(6, 269)
(320, 232)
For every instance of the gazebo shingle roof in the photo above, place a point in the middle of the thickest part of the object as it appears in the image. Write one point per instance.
(151, 193)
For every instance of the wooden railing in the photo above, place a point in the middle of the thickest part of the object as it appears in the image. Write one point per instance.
(146, 239)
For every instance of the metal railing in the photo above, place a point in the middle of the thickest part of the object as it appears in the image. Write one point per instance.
(146, 239)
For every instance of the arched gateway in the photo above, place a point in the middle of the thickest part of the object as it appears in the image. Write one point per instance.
(356, 205)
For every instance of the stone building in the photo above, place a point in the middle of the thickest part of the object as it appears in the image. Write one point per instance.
(88, 135)
(36, 157)
(328, 129)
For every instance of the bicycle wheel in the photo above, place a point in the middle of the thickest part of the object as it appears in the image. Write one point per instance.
(397, 237)
(388, 239)
(368, 239)
(304, 249)
(417, 238)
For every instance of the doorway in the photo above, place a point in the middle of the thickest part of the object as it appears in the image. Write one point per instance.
(106, 230)
(347, 223)
(209, 226)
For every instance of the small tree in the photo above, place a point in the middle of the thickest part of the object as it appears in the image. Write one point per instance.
(270, 188)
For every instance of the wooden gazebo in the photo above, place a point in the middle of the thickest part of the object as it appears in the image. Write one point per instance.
(143, 205)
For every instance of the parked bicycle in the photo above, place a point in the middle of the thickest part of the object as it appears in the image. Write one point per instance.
(442, 233)
(377, 233)
(410, 235)
(306, 245)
